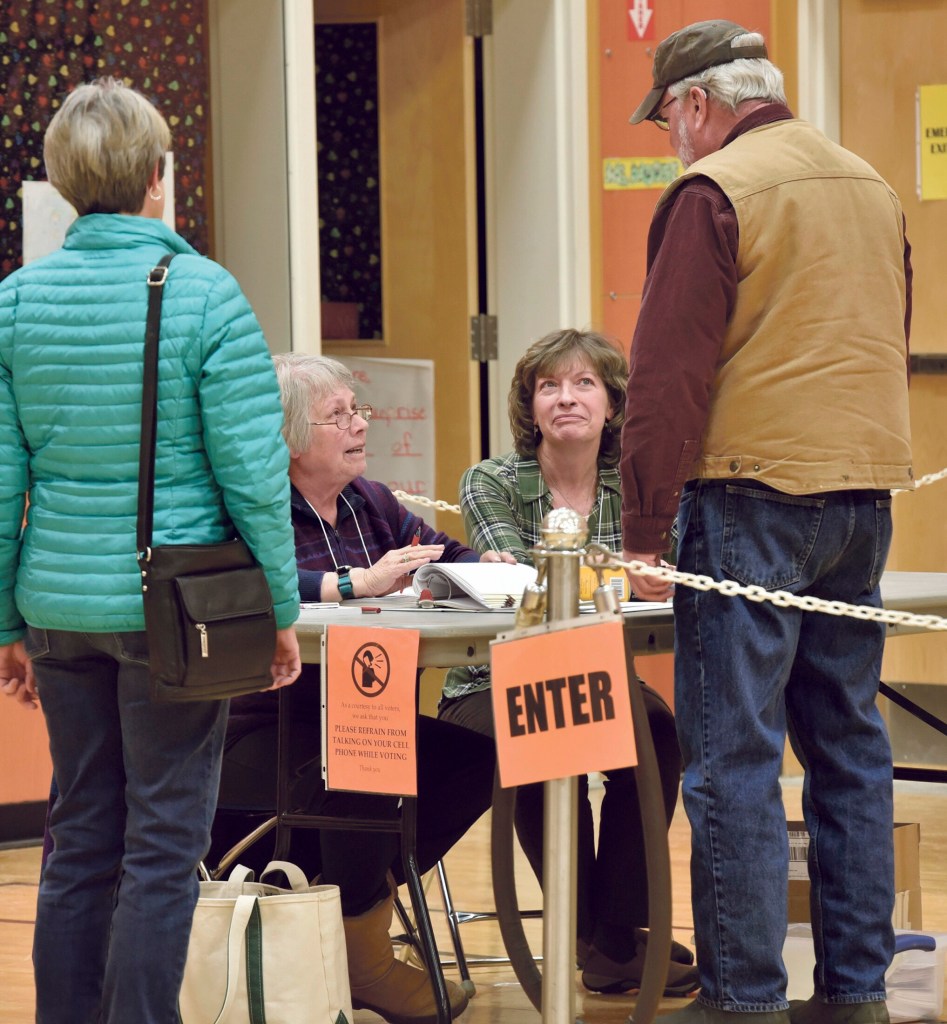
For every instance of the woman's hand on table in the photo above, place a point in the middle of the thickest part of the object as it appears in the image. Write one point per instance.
(390, 572)
(498, 556)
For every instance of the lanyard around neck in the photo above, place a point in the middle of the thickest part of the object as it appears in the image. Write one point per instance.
(325, 534)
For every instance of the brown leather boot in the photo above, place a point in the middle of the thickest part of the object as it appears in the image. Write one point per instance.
(399, 993)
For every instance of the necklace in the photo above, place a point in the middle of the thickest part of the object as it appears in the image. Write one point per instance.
(584, 507)
(335, 564)
(583, 504)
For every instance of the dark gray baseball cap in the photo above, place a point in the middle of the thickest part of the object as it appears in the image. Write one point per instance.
(689, 51)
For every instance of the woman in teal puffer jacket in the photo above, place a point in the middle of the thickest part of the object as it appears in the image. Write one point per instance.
(137, 780)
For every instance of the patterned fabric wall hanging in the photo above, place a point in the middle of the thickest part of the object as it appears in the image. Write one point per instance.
(349, 200)
(48, 47)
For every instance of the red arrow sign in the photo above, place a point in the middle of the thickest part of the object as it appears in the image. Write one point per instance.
(640, 19)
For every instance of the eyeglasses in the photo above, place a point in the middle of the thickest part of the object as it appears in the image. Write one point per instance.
(343, 420)
(658, 119)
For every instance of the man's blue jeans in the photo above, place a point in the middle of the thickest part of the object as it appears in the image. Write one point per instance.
(137, 790)
(743, 672)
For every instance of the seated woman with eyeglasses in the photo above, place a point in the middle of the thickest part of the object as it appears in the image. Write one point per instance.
(353, 539)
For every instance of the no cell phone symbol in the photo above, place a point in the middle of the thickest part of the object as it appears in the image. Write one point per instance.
(371, 669)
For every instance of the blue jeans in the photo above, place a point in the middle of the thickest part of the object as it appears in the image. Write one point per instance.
(137, 789)
(744, 671)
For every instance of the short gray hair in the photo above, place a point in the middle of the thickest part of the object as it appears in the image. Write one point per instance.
(737, 81)
(102, 145)
(303, 381)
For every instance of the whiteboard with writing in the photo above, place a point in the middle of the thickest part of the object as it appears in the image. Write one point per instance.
(401, 434)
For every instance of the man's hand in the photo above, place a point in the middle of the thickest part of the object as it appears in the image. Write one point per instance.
(648, 588)
(16, 675)
(286, 664)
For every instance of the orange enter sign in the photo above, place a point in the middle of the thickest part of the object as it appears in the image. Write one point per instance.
(560, 702)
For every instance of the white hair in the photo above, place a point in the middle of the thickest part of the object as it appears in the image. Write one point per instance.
(740, 80)
(303, 381)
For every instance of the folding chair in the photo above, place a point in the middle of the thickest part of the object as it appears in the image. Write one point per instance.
(455, 918)
(222, 863)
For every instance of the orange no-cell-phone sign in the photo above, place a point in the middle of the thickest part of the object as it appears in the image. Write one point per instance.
(369, 685)
(560, 702)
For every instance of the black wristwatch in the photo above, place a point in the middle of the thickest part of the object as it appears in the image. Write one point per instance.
(346, 590)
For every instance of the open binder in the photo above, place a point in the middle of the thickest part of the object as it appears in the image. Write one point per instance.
(474, 586)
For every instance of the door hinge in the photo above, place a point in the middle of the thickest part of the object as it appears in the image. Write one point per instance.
(479, 18)
(483, 337)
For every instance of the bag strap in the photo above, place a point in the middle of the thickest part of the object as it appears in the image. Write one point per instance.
(149, 407)
(294, 875)
(241, 873)
(242, 912)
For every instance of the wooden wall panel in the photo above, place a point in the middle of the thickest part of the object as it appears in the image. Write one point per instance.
(886, 53)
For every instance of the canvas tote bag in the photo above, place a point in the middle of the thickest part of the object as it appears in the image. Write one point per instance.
(260, 954)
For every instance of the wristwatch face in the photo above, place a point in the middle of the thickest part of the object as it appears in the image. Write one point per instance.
(343, 569)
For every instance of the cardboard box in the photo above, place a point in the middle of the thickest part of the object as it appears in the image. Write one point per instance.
(907, 874)
(914, 981)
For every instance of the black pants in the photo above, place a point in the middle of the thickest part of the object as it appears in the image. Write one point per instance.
(455, 786)
(612, 885)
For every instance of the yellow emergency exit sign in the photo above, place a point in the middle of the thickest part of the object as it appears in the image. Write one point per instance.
(932, 142)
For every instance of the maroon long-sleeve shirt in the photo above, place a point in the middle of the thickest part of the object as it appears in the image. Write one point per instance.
(688, 298)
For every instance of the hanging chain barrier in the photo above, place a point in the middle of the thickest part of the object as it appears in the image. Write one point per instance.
(780, 598)
(443, 506)
(419, 499)
(606, 559)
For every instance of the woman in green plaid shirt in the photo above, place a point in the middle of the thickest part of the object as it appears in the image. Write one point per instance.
(566, 407)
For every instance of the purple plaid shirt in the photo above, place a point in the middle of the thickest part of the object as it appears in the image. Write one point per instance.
(367, 506)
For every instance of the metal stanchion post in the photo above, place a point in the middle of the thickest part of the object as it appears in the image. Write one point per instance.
(564, 534)
(555, 597)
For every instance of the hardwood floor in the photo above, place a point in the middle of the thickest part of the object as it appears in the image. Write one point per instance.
(498, 997)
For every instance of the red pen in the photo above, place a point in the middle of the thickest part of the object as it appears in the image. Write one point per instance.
(416, 539)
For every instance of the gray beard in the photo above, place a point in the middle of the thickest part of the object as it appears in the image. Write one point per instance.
(685, 147)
